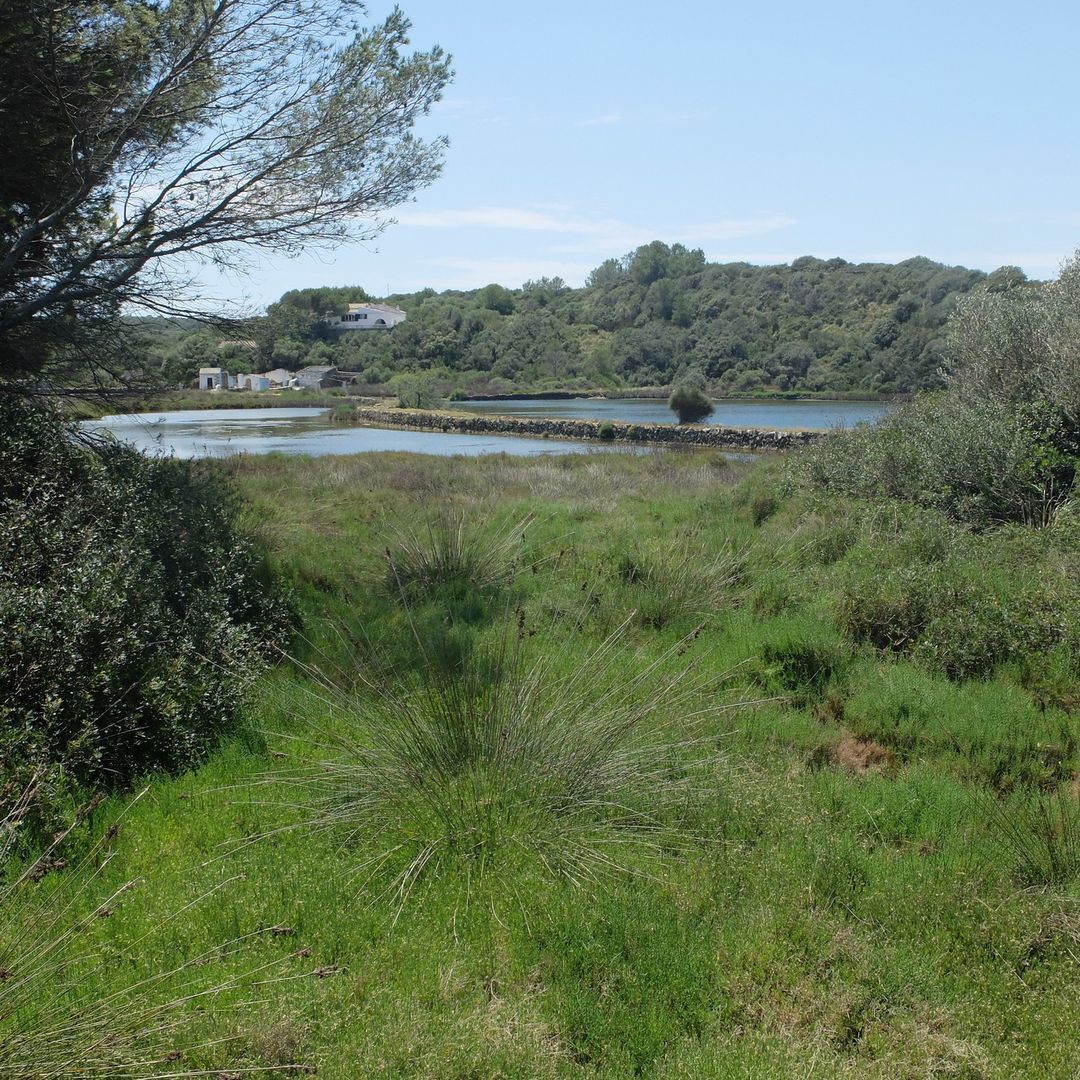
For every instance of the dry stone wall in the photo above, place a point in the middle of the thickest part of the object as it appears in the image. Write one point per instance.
(600, 430)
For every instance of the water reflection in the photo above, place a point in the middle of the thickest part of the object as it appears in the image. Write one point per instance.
(218, 432)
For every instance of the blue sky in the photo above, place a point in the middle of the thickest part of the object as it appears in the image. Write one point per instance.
(758, 132)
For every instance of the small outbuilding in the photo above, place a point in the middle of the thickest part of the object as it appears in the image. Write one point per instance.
(213, 378)
(319, 377)
(280, 377)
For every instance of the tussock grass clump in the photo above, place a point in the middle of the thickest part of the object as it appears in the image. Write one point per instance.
(453, 550)
(572, 767)
(682, 578)
(1038, 835)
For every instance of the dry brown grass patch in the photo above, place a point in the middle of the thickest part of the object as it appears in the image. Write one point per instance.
(861, 756)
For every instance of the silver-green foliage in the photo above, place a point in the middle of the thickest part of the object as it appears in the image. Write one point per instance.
(1001, 443)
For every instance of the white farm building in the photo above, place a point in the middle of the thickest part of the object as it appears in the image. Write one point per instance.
(367, 317)
(213, 378)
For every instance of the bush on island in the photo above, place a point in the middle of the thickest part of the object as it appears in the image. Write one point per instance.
(689, 404)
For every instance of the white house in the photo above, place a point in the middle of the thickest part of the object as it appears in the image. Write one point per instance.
(213, 378)
(280, 377)
(254, 382)
(367, 317)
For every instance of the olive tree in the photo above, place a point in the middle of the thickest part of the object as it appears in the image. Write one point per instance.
(148, 136)
(1002, 442)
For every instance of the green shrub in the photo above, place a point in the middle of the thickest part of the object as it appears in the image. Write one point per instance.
(1002, 442)
(966, 614)
(689, 404)
(799, 658)
(131, 610)
(606, 431)
(997, 735)
(762, 507)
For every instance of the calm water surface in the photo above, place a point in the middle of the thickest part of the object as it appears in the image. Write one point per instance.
(771, 415)
(217, 432)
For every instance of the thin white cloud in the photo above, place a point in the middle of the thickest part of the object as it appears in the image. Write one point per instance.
(603, 120)
(609, 236)
(465, 273)
(503, 217)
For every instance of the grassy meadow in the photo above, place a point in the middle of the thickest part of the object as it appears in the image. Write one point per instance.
(615, 765)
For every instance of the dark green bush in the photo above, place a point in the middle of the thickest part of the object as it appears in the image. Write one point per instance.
(131, 610)
(762, 507)
(689, 404)
(802, 659)
(606, 431)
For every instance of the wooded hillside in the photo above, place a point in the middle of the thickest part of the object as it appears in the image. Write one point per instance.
(651, 318)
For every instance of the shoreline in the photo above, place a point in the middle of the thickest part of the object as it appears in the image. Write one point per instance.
(171, 401)
(662, 393)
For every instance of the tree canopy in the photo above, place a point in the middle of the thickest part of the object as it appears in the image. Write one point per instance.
(825, 326)
(153, 135)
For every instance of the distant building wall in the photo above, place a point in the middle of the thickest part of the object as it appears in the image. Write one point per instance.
(214, 378)
(367, 317)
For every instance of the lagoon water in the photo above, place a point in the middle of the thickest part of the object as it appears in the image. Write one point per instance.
(219, 432)
(813, 415)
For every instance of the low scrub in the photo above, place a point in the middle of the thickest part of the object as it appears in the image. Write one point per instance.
(993, 730)
(965, 614)
(1002, 443)
(131, 609)
(800, 659)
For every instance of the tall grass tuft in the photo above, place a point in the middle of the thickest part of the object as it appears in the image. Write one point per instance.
(1039, 836)
(681, 579)
(453, 549)
(62, 1017)
(574, 769)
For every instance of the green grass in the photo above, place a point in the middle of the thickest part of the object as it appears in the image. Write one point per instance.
(872, 873)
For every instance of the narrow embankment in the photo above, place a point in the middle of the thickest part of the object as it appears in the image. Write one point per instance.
(604, 431)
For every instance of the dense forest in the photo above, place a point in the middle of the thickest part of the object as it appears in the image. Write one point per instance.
(657, 316)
